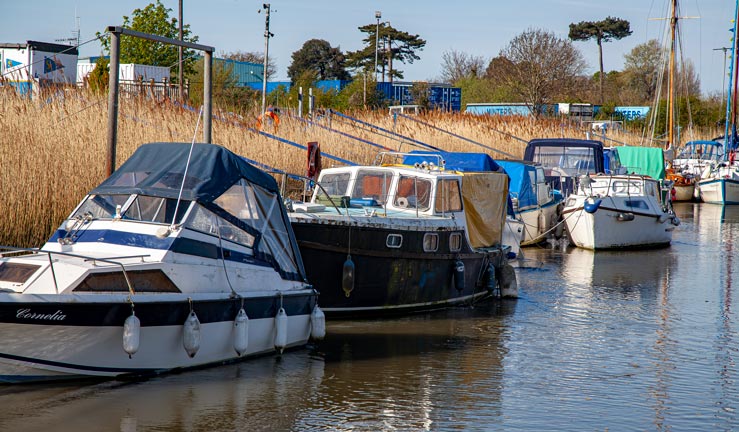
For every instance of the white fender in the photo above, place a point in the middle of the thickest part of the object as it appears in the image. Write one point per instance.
(191, 334)
(131, 335)
(317, 324)
(508, 282)
(241, 332)
(280, 330)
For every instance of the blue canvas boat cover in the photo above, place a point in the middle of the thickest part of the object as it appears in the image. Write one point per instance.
(457, 161)
(156, 169)
(521, 175)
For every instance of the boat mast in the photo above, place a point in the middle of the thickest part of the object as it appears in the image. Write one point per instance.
(671, 85)
(730, 98)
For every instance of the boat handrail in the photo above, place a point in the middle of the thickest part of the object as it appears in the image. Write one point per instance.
(12, 249)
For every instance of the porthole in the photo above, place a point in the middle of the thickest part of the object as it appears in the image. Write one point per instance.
(394, 241)
(430, 242)
(455, 242)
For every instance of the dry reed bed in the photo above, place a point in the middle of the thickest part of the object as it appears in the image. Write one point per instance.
(53, 151)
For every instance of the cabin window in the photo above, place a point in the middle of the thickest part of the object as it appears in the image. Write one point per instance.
(155, 209)
(16, 272)
(101, 206)
(207, 222)
(141, 281)
(372, 184)
(641, 204)
(333, 185)
(448, 196)
(627, 187)
(394, 241)
(413, 192)
(455, 242)
(430, 242)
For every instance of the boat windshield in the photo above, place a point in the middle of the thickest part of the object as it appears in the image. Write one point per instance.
(701, 150)
(132, 207)
(576, 160)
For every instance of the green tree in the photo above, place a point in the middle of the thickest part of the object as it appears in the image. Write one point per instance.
(254, 57)
(223, 81)
(99, 78)
(537, 67)
(153, 19)
(602, 31)
(395, 45)
(319, 56)
(641, 71)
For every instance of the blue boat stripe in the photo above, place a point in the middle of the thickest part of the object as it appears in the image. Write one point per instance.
(75, 366)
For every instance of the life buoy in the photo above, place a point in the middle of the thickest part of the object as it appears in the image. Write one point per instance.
(269, 117)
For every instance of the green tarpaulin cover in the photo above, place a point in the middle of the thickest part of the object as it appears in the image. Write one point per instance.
(643, 160)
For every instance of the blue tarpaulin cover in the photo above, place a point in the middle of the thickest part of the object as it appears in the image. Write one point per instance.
(465, 162)
(520, 187)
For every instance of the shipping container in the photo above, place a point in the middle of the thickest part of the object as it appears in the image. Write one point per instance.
(505, 109)
(30, 65)
(629, 113)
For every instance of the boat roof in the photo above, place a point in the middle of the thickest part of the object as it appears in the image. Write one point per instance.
(457, 161)
(157, 169)
(563, 142)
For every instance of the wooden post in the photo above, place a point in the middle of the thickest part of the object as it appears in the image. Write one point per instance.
(113, 102)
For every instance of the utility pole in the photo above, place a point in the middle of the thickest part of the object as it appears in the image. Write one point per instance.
(267, 35)
(378, 15)
(179, 60)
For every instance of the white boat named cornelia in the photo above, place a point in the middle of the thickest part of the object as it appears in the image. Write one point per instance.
(184, 257)
(608, 212)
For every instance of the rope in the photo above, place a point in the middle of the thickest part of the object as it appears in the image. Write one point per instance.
(421, 143)
(455, 135)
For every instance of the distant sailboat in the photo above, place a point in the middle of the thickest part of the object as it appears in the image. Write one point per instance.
(720, 181)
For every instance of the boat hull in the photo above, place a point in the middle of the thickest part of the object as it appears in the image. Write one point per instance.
(45, 340)
(605, 229)
(389, 280)
(684, 192)
(538, 223)
(719, 191)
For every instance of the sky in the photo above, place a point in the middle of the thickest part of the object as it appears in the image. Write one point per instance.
(477, 27)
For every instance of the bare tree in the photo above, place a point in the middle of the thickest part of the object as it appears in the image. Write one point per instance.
(457, 65)
(254, 57)
(538, 67)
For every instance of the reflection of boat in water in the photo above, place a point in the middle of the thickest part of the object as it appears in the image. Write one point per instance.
(241, 396)
(387, 238)
(154, 270)
(616, 269)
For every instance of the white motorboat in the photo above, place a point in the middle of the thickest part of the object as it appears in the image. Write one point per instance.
(625, 211)
(720, 184)
(183, 258)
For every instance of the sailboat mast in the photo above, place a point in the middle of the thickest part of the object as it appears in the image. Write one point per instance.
(671, 85)
(730, 98)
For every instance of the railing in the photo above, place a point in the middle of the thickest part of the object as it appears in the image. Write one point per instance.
(14, 250)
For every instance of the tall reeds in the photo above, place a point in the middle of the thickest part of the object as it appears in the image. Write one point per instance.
(53, 148)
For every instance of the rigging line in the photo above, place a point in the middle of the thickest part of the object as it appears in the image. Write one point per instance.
(401, 141)
(313, 123)
(384, 130)
(28, 66)
(455, 135)
(187, 166)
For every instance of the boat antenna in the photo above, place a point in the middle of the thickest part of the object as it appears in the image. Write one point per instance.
(187, 165)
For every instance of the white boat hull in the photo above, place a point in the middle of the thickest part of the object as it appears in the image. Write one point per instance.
(604, 230)
(684, 192)
(78, 340)
(719, 191)
(538, 223)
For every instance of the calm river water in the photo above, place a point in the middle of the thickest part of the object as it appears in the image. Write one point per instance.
(598, 341)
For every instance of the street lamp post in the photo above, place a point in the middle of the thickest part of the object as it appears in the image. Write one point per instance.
(267, 35)
(378, 15)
